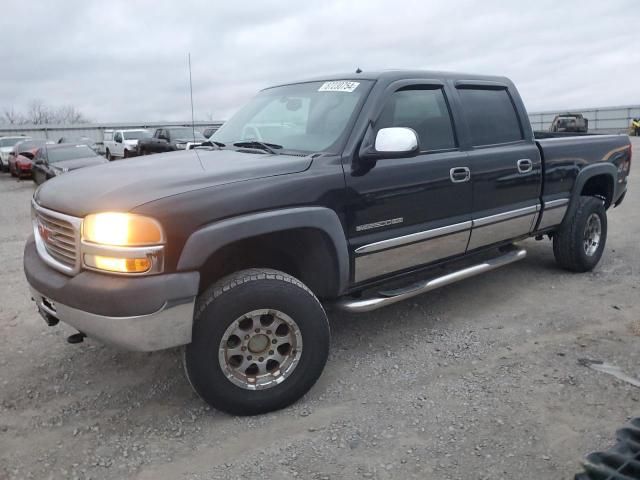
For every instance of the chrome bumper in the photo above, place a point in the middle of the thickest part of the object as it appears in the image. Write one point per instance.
(168, 327)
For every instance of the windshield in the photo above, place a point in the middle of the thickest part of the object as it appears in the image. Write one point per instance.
(29, 145)
(137, 135)
(307, 117)
(10, 142)
(60, 154)
(186, 133)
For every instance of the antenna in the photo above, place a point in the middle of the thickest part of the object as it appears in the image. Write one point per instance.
(193, 122)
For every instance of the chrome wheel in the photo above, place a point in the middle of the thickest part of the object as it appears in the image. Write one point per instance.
(592, 234)
(260, 349)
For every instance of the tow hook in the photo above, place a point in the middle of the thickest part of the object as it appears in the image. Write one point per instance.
(76, 338)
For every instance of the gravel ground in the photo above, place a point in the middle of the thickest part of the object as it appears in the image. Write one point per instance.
(476, 380)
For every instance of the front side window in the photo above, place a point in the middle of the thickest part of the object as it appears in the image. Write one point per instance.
(491, 116)
(304, 117)
(118, 137)
(423, 110)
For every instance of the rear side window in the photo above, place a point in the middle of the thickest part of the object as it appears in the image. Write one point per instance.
(491, 116)
(425, 111)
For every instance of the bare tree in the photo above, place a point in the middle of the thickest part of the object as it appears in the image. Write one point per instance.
(11, 117)
(68, 114)
(39, 113)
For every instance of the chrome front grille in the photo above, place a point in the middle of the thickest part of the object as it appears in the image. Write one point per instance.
(57, 238)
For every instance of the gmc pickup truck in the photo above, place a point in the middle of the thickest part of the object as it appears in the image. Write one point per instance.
(356, 191)
(168, 139)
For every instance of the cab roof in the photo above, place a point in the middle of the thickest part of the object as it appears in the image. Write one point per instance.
(389, 76)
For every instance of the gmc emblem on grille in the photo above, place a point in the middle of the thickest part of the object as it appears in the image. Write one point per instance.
(44, 232)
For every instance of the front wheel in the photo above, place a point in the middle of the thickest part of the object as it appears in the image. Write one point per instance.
(579, 244)
(260, 341)
(108, 155)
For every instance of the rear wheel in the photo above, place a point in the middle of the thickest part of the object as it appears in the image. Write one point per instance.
(579, 244)
(260, 342)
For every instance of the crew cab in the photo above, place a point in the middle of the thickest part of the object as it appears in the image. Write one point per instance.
(123, 143)
(167, 139)
(355, 191)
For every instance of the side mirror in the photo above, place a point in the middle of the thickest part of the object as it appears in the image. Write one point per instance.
(163, 137)
(39, 161)
(393, 142)
(118, 140)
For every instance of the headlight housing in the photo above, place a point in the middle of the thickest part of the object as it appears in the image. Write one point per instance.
(122, 243)
(181, 146)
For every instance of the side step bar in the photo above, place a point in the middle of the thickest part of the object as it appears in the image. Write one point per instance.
(384, 298)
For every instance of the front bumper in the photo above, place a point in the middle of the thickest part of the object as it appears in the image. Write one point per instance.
(141, 314)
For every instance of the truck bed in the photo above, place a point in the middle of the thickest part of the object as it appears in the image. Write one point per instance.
(565, 155)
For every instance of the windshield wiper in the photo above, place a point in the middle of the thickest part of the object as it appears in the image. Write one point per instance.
(268, 147)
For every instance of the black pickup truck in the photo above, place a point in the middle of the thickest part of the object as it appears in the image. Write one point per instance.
(357, 191)
(169, 139)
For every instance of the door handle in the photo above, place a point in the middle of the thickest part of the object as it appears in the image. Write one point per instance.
(524, 165)
(460, 174)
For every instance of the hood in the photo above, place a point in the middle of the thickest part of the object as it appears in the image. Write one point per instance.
(79, 163)
(6, 149)
(122, 186)
(131, 143)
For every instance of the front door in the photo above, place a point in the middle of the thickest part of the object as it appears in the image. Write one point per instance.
(506, 170)
(407, 212)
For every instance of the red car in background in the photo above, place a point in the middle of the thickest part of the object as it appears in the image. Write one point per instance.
(21, 157)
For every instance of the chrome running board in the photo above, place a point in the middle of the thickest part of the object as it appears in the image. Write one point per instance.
(388, 297)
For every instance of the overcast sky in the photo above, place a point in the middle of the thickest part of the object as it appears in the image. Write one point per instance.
(127, 60)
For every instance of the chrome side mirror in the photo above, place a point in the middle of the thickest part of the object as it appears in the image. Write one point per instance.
(393, 142)
(396, 140)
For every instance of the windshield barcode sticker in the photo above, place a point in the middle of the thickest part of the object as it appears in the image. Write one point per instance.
(339, 86)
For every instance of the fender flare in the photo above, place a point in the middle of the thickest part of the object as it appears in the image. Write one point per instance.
(585, 175)
(202, 243)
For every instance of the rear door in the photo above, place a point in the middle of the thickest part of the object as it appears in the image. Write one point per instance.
(506, 168)
(407, 212)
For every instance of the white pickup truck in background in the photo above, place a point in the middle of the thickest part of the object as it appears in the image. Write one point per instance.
(123, 143)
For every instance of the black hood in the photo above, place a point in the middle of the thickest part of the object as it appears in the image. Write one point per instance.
(126, 184)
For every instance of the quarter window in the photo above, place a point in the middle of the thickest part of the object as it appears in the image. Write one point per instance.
(490, 115)
(423, 110)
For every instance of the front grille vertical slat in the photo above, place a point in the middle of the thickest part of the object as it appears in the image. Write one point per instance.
(59, 234)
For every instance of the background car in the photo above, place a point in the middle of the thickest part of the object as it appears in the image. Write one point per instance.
(123, 143)
(207, 132)
(53, 160)
(6, 145)
(21, 157)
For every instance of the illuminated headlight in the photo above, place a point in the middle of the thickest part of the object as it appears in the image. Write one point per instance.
(122, 243)
(181, 146)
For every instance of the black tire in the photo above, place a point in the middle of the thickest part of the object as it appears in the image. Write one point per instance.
(13, 172)
(108, 155)
(230, 299)
(125, 154)
(569, 247)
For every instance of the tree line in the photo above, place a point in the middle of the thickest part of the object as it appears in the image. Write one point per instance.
(39, 113)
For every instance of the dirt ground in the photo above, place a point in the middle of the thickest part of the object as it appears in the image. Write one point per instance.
(476, 380)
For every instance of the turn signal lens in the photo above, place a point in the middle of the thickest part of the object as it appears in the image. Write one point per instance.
(121, 229)
(120, 265)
